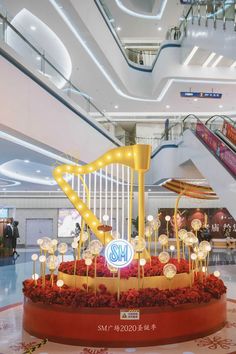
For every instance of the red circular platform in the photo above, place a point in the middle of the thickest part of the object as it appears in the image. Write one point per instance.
(104, 326)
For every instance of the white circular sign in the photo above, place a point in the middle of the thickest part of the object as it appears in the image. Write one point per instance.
(119, 253)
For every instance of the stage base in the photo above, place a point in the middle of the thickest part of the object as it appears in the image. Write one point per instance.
(111, 327)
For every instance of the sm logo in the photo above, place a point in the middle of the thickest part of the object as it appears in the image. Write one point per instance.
(119, 253)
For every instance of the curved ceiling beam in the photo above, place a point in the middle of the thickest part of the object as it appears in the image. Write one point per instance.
(158, 16)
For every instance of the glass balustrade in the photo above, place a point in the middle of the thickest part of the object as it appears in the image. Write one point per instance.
(36, 58)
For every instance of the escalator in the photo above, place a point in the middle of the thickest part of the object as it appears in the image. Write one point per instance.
(198, 154)
(225, 128)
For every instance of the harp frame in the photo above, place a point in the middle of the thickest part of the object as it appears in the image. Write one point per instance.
(137, 157)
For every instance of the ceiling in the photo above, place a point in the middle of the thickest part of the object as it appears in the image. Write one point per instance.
(90, 78)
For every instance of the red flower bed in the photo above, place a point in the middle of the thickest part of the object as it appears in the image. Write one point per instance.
(211, 288)
(153, 268)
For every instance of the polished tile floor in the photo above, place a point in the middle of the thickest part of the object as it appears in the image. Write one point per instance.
(14, 340)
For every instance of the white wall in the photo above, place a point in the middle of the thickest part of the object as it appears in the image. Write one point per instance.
(38, 115)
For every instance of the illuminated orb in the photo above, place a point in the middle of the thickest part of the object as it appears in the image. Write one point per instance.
(62, 248)
(95, 247)
(196, 224)
(164, 257)
(216, 273)
(52, 262)
(155, 224)
(88, 261)
(60, 283)
(163, 239)
(35, 276)
(138, 243)
(46, 244)
(149, 218)
(169, 271)
(205, 246)
(34, 257)
(87, 254)
(142, 262)
(201, 255)
(84, 236)
(182, 234)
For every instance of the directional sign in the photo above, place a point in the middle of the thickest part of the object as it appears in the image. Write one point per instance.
(201, 94)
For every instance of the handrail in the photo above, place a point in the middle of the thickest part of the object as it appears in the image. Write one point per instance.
(232, 122)
(213, 10)
(44, 58)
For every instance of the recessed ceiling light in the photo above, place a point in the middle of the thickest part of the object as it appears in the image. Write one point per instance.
(216, 62)
(233, 65)
(33, 28)
(167, 106)
(116, 106)
(149, 190)
(209, 59)
(38, 171)
(118, 28)
(58, 189)
(4, 189)
(190, 56)
(38, 57)
(26, 161)
(221, 106)
(195, 99)
(46, 177)
(159, 28)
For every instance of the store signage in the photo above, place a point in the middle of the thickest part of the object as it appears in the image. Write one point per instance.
(200, 94)
(186, 2)
(119, 253)
(190, 2)
(129, 315)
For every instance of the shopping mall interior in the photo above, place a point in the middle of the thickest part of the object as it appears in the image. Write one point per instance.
(117, 176)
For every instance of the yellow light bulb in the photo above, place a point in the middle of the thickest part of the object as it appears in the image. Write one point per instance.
(68, 168)
(80, 206)
(108, 157)
(87, 215)
(100, 163)
(80, 169)
(129, 154)
(94, 223)
(119, 154)
(90, 168)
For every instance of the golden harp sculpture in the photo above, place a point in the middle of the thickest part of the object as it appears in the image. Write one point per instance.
(135, 157)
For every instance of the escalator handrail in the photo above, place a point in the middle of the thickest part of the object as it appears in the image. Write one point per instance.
(225, 118)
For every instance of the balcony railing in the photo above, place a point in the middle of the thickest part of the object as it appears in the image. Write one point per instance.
(44, 65)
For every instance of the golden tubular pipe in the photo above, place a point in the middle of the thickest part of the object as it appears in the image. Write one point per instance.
(141, 201)
(130, 203)
(176, 225)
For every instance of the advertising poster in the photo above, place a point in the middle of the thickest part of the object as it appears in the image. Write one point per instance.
(217, 219)
(67, 218)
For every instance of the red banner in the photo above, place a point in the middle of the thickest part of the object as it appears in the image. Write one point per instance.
(229, 132)
(221, 150)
